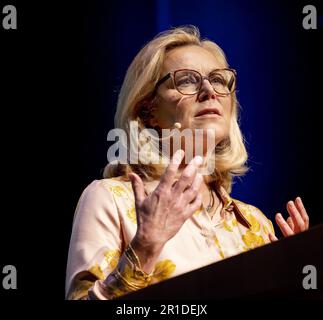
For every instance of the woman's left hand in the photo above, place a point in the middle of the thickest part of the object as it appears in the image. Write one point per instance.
(297, 221)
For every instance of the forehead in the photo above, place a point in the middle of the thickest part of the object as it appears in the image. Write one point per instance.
(191, 57)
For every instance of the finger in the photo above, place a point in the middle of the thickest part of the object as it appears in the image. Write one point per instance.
(191, 193)
(188, 175)
(193, 207)
(301, 209)
(138, 187)
(272, 237)
(283, 225)
(290, 223)
(299, 224)
(167, 179)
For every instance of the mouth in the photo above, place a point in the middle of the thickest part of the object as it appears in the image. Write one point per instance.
(208, 112)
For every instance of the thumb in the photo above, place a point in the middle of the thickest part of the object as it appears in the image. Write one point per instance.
(137, 186)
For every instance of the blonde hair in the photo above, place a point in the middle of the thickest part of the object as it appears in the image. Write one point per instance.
(142, 75)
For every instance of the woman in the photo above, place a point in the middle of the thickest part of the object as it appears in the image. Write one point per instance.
(146, 222)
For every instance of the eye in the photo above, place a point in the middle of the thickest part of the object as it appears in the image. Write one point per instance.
(218, 79)
(187, 79)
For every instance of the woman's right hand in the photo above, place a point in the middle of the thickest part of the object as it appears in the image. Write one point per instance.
(161, 214)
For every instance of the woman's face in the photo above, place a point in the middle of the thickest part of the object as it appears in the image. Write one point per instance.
(172, 106)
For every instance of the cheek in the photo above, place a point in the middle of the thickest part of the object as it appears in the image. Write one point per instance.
(228, 110)
(166, 109)
(178, 107)
(185, 111)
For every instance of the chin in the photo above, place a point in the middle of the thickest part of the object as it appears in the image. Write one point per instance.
(212, 138)
(215, 129)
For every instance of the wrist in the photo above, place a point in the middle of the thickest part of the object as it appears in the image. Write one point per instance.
(147, 248)
(147, 254)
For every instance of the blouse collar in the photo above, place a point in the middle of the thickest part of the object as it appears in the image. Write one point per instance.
(230, 205)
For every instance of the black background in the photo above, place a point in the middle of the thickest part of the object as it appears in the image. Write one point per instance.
(56, 110)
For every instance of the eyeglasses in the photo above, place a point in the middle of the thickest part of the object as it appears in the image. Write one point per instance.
(189, 82)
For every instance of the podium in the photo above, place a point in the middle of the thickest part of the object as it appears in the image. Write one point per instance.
(271, 271)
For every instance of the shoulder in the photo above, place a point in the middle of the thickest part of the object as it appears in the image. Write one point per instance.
(118, 186)
(104, 187)
(255, 216)
(249, 209)
(108, 194)
(102, 195)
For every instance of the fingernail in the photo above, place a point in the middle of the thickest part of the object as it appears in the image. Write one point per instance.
(198, 160)
(178, 155)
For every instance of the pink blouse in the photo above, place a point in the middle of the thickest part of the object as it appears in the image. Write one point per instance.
(105, 223)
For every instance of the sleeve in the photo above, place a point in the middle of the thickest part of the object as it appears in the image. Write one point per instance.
(96, 241)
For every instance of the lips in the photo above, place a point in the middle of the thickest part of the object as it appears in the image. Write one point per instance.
(207, 111)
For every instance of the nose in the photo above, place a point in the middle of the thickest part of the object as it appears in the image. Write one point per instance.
(206, 92)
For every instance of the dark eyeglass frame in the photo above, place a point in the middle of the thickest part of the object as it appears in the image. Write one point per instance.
(172, 74)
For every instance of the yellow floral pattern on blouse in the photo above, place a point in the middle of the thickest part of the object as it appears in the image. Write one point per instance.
(252, 240)
(131, 214)
(227, 226)
(118, 191)
(255, 225)
(112, 258)
(163, 270)
(217, 243)
(97, 271)
(105, 222)
(80, 289)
